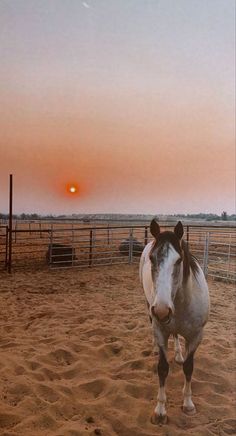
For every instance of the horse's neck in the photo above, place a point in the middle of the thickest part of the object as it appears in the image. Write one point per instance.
(184, 292)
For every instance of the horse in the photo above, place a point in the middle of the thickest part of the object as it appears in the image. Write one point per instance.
(178, 302)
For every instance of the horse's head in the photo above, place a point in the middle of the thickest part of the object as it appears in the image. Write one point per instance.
(167, 269)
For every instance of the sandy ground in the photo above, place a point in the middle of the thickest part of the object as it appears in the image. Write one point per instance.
(76, 358)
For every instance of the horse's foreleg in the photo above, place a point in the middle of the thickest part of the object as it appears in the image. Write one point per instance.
(190, 347)
(188, 406)
(178, 351)
(163, 369)
(155, 343)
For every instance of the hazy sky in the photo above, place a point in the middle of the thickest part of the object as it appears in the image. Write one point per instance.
(133, 100)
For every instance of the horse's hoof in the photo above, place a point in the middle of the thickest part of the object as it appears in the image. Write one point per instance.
(189, 410)
(159, 419)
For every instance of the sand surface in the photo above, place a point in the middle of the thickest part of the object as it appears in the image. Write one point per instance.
(76, 358)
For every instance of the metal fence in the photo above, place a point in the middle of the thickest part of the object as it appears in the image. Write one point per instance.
(3, 246)
(79, 246)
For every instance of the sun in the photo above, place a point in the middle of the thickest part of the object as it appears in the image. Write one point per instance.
(72, 188)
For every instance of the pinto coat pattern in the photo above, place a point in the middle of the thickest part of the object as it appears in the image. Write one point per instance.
(178, 301)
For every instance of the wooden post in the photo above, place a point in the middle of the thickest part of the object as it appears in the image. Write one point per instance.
(73, 237)
(51, 244)
(10, 222)
(90, 247)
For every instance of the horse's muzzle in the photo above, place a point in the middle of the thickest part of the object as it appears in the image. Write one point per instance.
(161, 319)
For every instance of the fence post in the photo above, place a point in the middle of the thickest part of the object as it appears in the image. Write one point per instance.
(94, 237)
(51, 242)
(40, 228)
(206, 254)
(9, 263)
(131, 241)
(72, 244)
(90, 247)
(187, 235)
(146, 236)
(108, 235)
(229, 256)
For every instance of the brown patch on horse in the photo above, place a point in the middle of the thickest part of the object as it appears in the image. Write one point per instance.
(189, 262)
(148, 306)
(157, 252)
(159, 243)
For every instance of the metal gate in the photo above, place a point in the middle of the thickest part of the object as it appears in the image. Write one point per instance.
(3, 246)
(78, 246)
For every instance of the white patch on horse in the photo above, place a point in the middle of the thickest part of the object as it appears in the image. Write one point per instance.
(145, 274)
(160, 408)
(164, 282)
(188, 406)
(178, 350)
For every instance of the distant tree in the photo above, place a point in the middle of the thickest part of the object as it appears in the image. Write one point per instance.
(224, 216)
(34, 216)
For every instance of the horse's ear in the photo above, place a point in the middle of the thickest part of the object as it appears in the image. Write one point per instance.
(179, 230)
(155, 229)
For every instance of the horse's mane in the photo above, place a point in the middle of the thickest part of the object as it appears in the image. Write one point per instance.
(189, 262)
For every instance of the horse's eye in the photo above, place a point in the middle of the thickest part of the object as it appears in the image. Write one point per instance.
(178, 261)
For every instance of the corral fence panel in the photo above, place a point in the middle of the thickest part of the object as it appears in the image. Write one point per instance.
(3, 246)
(77, 246)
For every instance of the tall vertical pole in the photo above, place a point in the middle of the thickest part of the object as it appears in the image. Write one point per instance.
(10, 223)
(72, 244)
(90, 247)
(51, 260)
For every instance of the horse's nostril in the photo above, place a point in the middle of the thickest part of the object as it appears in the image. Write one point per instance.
(162, 314)
(166, 319)
(155, 312)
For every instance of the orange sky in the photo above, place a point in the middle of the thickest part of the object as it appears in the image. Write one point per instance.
(144, 128)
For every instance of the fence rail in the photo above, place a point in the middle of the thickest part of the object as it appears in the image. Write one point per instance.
(79, 246)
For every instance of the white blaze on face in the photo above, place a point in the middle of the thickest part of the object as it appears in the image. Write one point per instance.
(164, 279)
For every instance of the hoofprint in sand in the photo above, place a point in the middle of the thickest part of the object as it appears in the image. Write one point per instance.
(76, 358)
